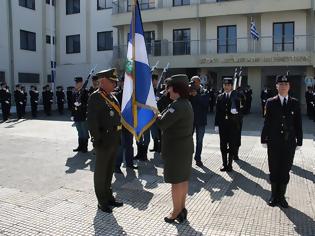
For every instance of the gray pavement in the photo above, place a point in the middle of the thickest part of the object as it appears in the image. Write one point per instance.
(46, 189)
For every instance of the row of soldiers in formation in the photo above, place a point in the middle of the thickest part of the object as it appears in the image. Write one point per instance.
(310, 102)
(21, 96)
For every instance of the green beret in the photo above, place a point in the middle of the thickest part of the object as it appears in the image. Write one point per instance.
(180, 78)
(108, 74)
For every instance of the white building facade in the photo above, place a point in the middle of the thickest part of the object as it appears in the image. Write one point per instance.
(205, 37)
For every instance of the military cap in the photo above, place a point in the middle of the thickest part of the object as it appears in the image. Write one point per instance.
(179, 78)
(155, 76)
(78, 79)
(194, 78)
(108, 74)
(282, 78)
(227, 80)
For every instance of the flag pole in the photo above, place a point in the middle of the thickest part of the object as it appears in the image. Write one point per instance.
(134, 103)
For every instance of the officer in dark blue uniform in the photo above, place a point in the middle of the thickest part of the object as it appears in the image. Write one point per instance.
(60, 94)
(18, 97)
(282, 132)
(227, 123)
(34, 97)
(5, 100)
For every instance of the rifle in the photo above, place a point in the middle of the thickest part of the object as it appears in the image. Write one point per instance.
(78, 98)
(154, 67)
(161, 76)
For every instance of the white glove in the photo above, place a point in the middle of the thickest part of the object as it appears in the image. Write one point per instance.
(36, 101)
(264, 145)
(297, 148)
(234, 111)
(77, 104)
(216, 129)
(7, 102)
(72, 118)
(51, 101)
(21, 103)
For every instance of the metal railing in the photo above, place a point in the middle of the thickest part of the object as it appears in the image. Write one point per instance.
(266, 44)
(122, 6)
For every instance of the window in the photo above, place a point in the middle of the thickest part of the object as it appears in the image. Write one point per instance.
(2, 76)
(28, 78)
(72, 7)
(105, 41)
(181, 42)
(48, 2)
(27, 3)
(104, 4)
(181, 2)
(73, 44)
(48, 39)
(227, 41)
(149, 37)
(27, 40)
(283, 36)
(144, 4)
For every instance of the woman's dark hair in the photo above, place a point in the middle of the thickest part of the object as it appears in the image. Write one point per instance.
(181, 88)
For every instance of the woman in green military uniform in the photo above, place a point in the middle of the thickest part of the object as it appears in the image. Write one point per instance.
(176, 123)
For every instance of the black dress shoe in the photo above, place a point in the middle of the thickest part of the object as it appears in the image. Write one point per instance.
(236, 158)
(229, 169)
(115, 203)
(178, 218)
(199, 163)
(223, 168)
(283, 203)
(273, 202)
(184, 213)
(106, 209)
(132, 167)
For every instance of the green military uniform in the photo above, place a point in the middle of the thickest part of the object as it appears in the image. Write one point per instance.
(105, 128)
(176, 124)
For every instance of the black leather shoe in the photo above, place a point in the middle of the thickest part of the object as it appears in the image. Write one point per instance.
(133, 167)
(223, 168)
(178, 218)
(115, 203)
(229, 169)
(283, 203)
(236, 158)
(199, 163)
(184, 214)
(106, 209)
(273, 202)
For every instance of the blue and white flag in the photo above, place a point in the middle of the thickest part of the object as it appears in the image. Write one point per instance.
(253, 31)
(139, 107)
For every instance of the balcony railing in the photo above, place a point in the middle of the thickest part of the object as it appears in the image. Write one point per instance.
(122, 6)
(299, 43)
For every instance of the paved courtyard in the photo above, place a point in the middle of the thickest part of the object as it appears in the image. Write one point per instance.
(46, 189)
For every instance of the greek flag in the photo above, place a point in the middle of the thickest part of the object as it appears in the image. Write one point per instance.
(253, 31)
(138, 102)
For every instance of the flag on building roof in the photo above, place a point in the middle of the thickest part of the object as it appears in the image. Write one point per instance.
(138, 102)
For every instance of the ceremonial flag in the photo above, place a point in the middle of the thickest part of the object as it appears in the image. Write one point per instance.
(139, 107)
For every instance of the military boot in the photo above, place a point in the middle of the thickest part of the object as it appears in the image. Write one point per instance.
(273, 201)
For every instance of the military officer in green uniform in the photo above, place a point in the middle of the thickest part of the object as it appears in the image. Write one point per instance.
(105, 128)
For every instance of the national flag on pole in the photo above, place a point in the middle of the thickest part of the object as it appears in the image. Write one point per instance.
(253, 31)
(138, 102)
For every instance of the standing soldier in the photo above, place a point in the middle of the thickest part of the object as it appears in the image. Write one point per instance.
(80, 98)
(24, 95)
(5, 100)
(227, 123)
(18, 97)
(282, 132)
(308, 99)
(265, 94)
(105, 128)
(34, 97)
(70, 102)
(94, 86)
(211, 99)
(60, 99)
(155, 131)
(47, 99)
(248, 99)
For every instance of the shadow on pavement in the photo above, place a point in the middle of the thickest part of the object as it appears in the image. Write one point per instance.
(303, 224)
(106, 224)
(185, 229)
(80, 161)
(252, 170)
(303, 173)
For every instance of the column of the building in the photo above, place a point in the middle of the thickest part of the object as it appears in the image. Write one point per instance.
(254, 80)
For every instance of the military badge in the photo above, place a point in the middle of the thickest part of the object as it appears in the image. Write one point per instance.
(171, 109)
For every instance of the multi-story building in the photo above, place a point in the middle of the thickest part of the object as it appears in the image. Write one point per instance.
(206, 37)
(212, 37)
